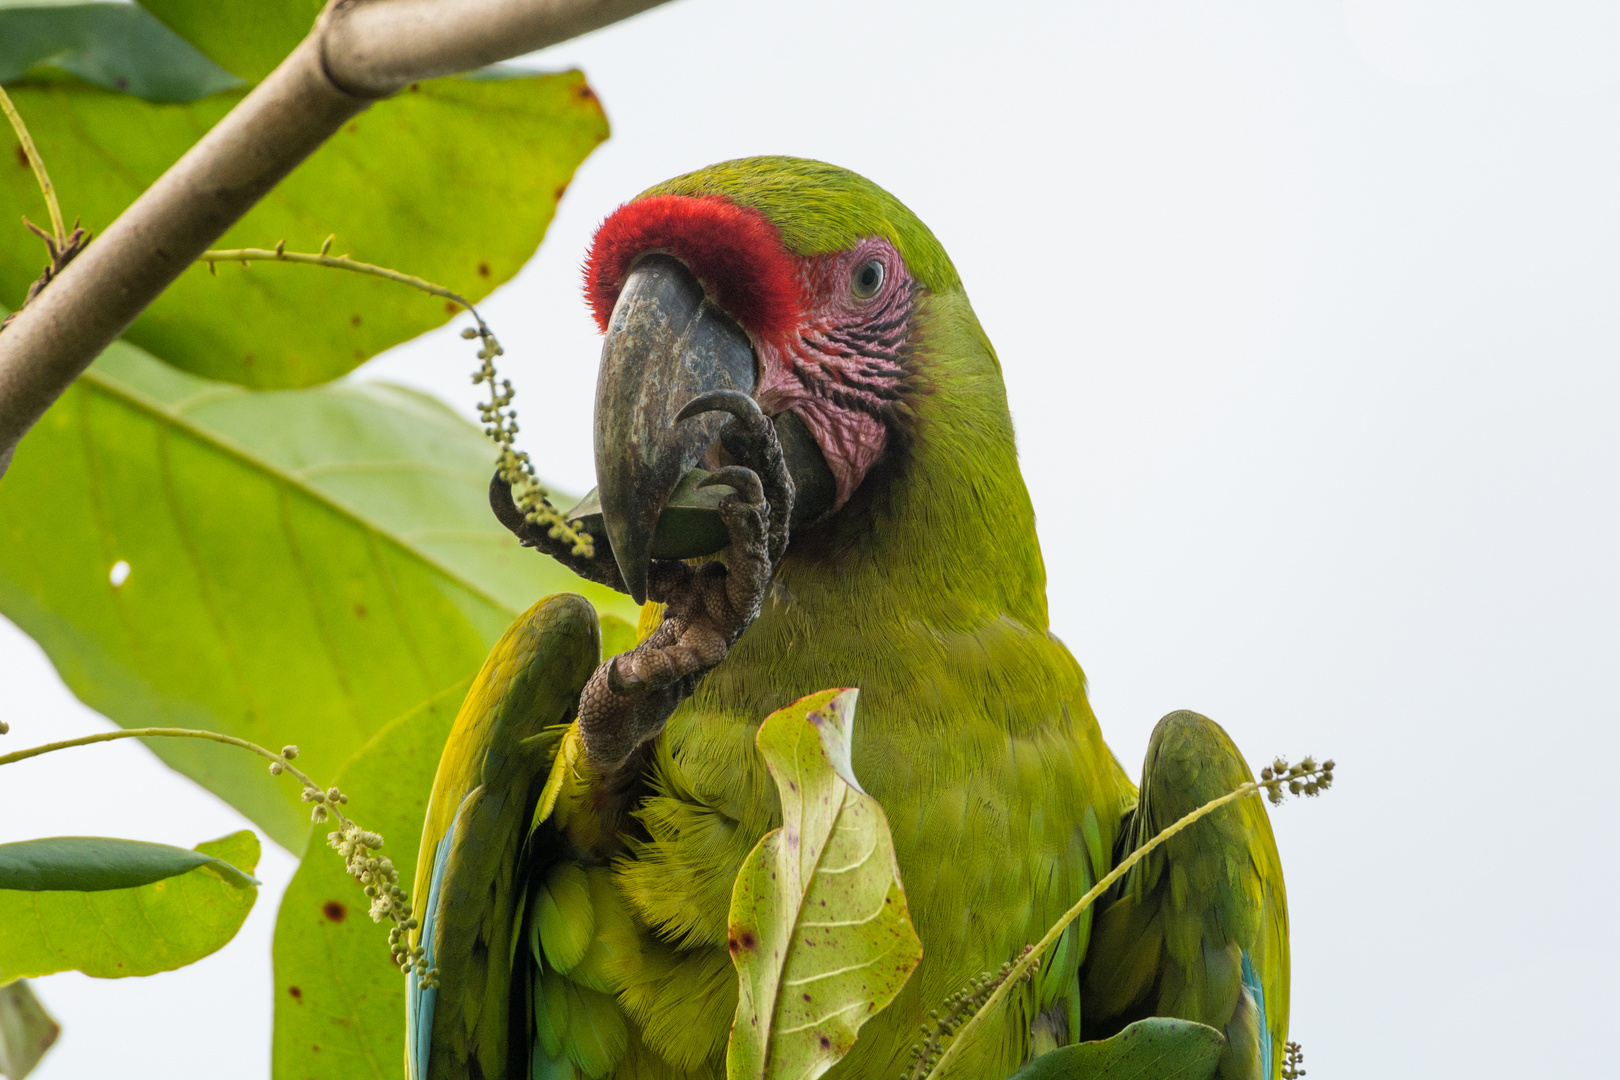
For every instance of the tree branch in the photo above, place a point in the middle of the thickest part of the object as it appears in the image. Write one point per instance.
(377, 47)
(359, 51)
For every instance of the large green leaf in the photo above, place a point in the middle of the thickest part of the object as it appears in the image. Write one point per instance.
(116, 46)
(340, 1003)
(302, 565)
(1158, 1048)
(112, 933)
(26, 1030)
(819, 929)
(252, 41)
(97, 863)
(455, 181)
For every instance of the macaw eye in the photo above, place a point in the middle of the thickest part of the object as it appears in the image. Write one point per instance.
(868, 279)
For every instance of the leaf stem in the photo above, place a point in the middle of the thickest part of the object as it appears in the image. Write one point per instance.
(167, 733)
(337, 262)
(38, 163)
(1032, 955)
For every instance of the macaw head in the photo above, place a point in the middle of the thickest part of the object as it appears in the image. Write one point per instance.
(795, 282)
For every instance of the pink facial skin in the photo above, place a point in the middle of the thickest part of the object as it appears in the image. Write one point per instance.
(841, 368)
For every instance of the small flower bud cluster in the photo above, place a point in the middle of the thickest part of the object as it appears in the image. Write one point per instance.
(5, 728)
(389, 900)
(500, 424)
(1291, 1065)
(326, 802)
(376, 872)
(1305, 778)
(360, 850)
(959, 1008)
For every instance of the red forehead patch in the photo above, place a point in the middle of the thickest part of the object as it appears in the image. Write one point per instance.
(733, 250)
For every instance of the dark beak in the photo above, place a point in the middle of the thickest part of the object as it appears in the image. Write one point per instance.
(666, 344)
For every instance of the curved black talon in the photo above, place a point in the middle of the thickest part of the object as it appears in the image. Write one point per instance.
(620, 685)
(738, 404)
(744, 480)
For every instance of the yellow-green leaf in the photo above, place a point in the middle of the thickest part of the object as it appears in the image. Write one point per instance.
(340, 1003)
(251, 41)
(117, 932)
(296, 566)
(819, 928)
(454, 180)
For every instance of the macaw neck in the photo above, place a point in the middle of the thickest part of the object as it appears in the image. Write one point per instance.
(946, 524)
(936, 552)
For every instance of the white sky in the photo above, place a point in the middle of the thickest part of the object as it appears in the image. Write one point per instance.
(1308, 314)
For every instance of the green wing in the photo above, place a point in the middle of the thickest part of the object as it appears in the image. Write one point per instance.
(473, 869)
(1199, 929)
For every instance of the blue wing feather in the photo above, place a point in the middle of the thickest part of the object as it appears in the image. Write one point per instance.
(419, 1001)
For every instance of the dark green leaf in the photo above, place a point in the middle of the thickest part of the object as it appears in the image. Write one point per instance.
(95, 863)
(116, 46)
(455, 181)
(112, 933)
(340, 1003)
(252, 40)
(303, 565)
(26, 1030)
(1158, 1048)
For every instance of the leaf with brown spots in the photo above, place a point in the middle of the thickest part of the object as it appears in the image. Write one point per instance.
(258, 526)
(819, 928)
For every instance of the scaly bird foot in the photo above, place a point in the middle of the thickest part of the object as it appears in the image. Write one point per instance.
(707, 607)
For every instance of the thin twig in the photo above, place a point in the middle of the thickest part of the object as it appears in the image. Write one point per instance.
(165, 733)
(38, 163)
(336, 262)
(1033, 955)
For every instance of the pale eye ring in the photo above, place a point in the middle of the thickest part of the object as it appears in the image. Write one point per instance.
(867, 279)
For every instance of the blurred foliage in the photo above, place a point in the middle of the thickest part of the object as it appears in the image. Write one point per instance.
(303, 565)
(252, 41)
(412, 183)
(26, 1030)
(112, 933)
(113, 45)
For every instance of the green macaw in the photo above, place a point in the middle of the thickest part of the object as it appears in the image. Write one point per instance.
(791, 336)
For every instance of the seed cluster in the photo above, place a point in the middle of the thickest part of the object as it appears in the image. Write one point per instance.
(1291, 1065)
(376, 872)
(500, 424)
(1306, 778)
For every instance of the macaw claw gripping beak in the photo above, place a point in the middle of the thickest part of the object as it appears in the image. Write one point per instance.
(666, 345)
